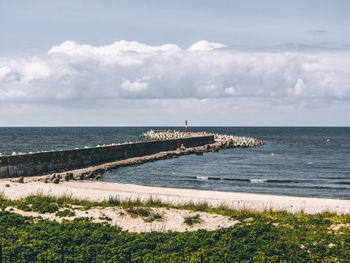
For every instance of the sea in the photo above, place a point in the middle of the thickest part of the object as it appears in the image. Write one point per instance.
(294, 161)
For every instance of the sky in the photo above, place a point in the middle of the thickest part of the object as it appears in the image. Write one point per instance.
(158, 63)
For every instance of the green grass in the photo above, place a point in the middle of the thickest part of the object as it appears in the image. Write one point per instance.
(113, 201)
(135, 212)
(65, 213)
(192, 220)
(105, 218)
(157, 216)
(49, 204)
(153, 217)
(266, 236)
(259, 239)
(146, 213)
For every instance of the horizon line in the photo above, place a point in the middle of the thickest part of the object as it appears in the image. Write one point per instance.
(173, 126)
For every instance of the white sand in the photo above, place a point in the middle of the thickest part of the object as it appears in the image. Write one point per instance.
(99, 191)
(172, 219)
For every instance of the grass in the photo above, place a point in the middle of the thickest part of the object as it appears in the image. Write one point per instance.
(192, 220)
(137, 207)
(146, 213)
(65, 213)
(113, 201)
(266, 236)
(49, 204)
(153, 217)
(135, 212)
(157, 216)
(105, 218)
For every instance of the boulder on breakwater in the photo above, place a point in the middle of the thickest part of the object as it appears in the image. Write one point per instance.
(159, 135)
(221, 140)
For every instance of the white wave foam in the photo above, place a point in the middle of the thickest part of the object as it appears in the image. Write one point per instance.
(258, 180)
(202, 177)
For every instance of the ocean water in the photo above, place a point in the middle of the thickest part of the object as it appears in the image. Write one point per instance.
(296, 161)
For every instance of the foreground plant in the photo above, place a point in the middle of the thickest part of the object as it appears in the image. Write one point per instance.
(263, 239)
(266, 236)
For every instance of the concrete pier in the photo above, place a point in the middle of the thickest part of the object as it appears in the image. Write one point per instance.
(65, 160)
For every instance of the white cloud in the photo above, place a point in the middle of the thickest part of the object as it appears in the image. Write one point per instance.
(134, 86)
(132, 70)
(4, 70)
(298, 88)
(74, 49)
(204, 45)
(230, 91)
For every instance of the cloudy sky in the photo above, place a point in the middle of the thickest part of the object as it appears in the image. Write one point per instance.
(131, 63)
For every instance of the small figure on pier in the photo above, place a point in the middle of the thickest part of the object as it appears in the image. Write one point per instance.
(185, 125)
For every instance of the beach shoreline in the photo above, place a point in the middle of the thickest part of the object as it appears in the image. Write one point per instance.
(100, 191)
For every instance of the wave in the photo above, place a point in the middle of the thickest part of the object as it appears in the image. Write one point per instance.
(202, 177)
(251, 180)
(277, 182)
(258, 180)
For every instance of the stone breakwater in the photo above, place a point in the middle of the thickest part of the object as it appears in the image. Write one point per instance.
(91, 164)
(58, 161)
(221, 140)
(96, 172)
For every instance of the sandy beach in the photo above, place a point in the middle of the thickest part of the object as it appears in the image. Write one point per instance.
(99, 191)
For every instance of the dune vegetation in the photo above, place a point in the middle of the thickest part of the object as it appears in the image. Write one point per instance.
(266, 236)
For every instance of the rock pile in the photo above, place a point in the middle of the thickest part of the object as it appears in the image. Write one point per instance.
(57, 178)
(225, 141)
(230, 141)
(164, 135)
